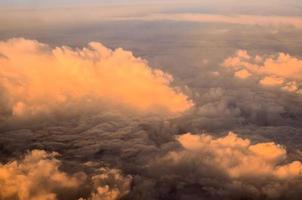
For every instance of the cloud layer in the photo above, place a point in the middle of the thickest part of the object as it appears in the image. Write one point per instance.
(97, 148)
(36, 78)
(274, 21)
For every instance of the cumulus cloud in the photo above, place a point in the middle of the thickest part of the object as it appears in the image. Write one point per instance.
(239, 158)
(35, 177)
(38, 177)
(281, 70)
(36, 78)
(232, 167)
(109, 184)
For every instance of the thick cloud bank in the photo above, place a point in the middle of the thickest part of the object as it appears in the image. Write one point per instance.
(108, 153)
(36, 78)
(282, 70)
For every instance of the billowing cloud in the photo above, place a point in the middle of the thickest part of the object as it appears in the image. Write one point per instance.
(231, 167)
(35, 177)
(239, 158)
(38, 177)
(36, 78)
(109, 184)
(281, 70)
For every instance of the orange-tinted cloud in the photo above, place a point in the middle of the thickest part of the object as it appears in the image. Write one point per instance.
(231, 167)
(36, 78)
(36, 177)
(109, 184)
(240, 158)
(243, 74)
(282, 70)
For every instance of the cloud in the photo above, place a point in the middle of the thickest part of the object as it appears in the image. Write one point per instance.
(13, 17)
(109, 184)
(281, 70)
(243, 74)
(239, 158)
(35, 177)
(231, 167)
(36, 78)
(228, 19)
(38, 177)
(130, 144)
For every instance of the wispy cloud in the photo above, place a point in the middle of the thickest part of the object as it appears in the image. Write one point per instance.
(228, 19)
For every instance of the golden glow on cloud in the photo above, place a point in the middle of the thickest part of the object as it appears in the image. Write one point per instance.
(243, 74)
(240, 158)
(282, 70)
(36, 78)
(109, 184)
(36, 177)
(231, 164)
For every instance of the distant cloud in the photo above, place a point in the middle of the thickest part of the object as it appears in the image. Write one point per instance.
(13, 18)
(35, 78)
(281, 70)
(228, 19)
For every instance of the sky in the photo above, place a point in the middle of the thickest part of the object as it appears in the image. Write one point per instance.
(153, 100)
